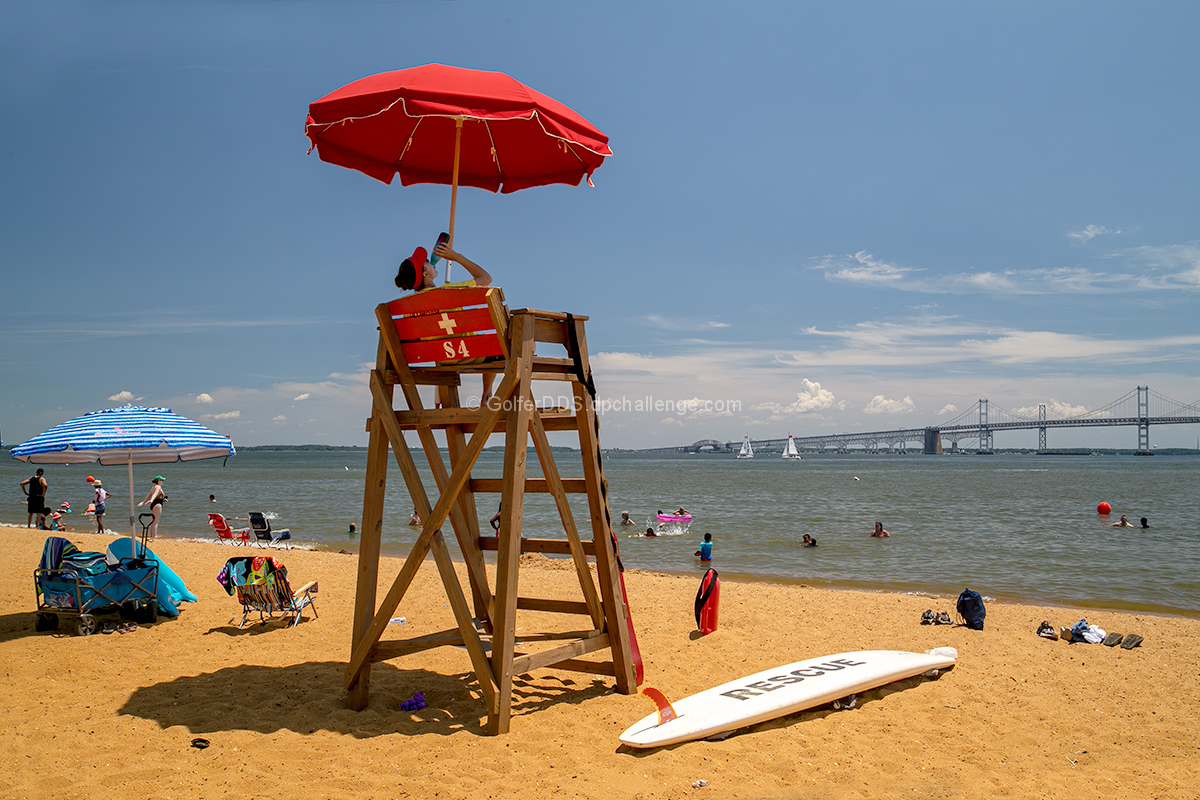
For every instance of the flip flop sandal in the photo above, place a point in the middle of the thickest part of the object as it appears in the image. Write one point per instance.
(927, 618)
(127, 627)
(109, 627)
(1046, 631)
(200, 743)
(1113, 639)
(944, 619)
(1131, 641)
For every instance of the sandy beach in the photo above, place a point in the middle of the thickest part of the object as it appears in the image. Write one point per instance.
(1019, 716)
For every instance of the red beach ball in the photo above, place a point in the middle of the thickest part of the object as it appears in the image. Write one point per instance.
(1103, 508)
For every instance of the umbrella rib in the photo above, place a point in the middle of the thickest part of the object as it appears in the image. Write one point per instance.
(495, 154)
(408, 144)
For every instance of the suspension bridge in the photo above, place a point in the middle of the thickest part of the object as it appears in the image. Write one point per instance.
(1141, 407)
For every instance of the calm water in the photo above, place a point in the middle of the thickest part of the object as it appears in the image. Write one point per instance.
(1013, 527)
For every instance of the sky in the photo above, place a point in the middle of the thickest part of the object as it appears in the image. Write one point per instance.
(819, 216)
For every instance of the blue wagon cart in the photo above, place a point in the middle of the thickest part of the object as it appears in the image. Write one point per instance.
(81, 586)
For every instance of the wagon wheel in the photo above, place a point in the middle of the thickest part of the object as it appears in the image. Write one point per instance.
(86, 625)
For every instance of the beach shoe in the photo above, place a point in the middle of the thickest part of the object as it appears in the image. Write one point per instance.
(944, 619)
(1113, 639)
(108, 627)
(1131, 641)
(846, 703)
(1046, 630)
(927, 617)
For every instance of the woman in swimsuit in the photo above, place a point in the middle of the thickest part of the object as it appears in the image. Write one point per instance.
(155, 498)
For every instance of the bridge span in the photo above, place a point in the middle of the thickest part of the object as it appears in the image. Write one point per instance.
(1141, 407)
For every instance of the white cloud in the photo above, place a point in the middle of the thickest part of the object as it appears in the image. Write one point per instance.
(1055, 409)
(1147, 269)
(881, 405)
(949, 408)
(226, 415)
(300, 397)
(204, 398)
(811, 398)
(279, 420)
(862, 268)
(123, 397)
(682, 323)
(1089, 232)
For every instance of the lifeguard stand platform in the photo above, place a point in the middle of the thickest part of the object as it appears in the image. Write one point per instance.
(431, 339)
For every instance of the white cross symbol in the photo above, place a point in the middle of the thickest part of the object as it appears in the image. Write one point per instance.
(447, 324)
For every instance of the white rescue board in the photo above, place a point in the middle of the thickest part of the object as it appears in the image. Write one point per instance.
(780, 691)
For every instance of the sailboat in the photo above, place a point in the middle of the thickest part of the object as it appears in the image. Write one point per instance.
(791, 452)
(747, 451)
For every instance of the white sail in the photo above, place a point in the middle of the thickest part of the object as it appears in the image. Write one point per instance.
(747, 451)
(791, 451)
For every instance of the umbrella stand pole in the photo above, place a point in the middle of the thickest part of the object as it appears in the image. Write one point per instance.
(454, 188)
(132, 536)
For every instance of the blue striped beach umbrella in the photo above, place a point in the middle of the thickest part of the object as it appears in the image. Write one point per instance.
(129, 435)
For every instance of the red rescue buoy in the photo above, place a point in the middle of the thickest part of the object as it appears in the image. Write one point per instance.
(1103, 508)
(708, 599)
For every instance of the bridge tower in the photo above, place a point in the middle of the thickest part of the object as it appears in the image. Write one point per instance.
(985, 432)
(1143, 425)
(1042, 429)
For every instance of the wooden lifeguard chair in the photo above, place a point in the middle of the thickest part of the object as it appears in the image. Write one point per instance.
(430, 339)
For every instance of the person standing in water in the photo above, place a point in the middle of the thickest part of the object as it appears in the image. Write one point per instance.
(37, 496)
(98, 504)
(155, 497)
(705, 551)
(879, 532)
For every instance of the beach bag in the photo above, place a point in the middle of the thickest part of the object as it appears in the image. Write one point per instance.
(970, 608)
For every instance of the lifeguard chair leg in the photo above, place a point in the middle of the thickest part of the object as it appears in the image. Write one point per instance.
(508, 557)
(607, 569)
(369, 537)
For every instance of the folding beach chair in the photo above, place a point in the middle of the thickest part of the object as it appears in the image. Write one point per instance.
(261, 585)
(261, 527)
(227, 534)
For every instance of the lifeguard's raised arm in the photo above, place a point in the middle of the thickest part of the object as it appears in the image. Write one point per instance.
(481, 276)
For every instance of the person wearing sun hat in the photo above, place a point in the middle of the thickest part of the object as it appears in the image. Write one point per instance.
(156, 497)
(417, 273)
(98, 502)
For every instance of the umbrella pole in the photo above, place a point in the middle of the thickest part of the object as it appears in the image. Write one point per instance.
(454, 188)
(132, 537)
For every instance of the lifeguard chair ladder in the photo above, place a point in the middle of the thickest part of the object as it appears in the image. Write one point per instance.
(430, 339)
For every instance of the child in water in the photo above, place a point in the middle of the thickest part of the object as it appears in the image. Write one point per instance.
(353, 531)
(705, 551)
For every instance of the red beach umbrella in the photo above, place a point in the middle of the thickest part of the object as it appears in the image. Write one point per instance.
(449, 125)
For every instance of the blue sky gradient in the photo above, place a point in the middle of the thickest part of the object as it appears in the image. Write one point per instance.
(828, 216)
